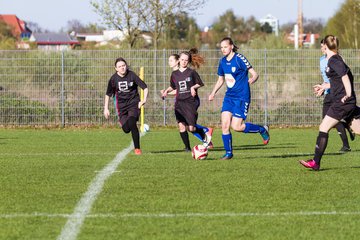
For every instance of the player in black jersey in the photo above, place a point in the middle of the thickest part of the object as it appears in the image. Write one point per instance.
(343, 104)
(186, 82)
(123, 85)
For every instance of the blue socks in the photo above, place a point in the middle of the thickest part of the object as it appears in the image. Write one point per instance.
(197, 135)
(253, 128)
(227, 140)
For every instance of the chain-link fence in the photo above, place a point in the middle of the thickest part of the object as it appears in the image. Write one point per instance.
(68, 88)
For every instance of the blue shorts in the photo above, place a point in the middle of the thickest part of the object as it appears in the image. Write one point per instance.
(238, 108)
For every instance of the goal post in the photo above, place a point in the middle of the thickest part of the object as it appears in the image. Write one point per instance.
(142, 112)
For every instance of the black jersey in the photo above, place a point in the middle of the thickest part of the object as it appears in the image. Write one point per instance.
(183, 81)
(125, 89)
(335, 70)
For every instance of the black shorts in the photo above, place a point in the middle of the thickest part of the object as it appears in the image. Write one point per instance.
(326, 104)
(127, 111)
(339, 110)
(186, 111)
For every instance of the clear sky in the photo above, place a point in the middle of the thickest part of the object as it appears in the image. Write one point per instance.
(53, 15)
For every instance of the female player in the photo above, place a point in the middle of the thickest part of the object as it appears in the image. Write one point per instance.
(233, 69)
(124, 86)
(185, 82)
(343, 105)
(324, 89)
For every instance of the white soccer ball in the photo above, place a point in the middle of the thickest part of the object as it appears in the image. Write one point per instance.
(146, 127)
(199, 152)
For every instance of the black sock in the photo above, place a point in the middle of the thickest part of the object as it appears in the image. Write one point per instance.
(185, 139)
(130, 125)
(321, 143)
(341, 131)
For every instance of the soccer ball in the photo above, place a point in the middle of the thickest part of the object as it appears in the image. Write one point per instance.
(199, 152)
(146, 127)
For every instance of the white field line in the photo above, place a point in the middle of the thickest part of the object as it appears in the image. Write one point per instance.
(83, 207)
(178, 215)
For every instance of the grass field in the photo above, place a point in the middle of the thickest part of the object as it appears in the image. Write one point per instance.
(82, 184)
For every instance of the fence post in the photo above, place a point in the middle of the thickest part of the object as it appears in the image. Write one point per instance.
(265, 89)
(164, 77)
(62, 91)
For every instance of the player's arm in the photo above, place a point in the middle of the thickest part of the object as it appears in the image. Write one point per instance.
(167, 91)
(254, 76)
(173, 92)
(142, 102)
(106, 107)
(216, 88)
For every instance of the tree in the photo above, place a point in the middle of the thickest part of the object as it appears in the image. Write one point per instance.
(124, 15)
(180, 31)
(313, 25)
(7, 40)
(155, 13)
(346, 24)
(266, 28)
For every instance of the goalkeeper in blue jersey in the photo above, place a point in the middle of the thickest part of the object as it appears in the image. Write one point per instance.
(233, 70)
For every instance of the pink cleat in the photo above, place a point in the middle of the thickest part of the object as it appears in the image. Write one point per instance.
(310, 164)
(137, 151)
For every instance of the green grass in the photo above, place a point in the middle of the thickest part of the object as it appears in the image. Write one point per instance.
(262, 193)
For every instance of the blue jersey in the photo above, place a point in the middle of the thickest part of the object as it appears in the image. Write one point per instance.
(236, 77)
(323, 66)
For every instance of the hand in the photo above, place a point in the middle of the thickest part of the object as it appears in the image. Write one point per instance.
(318, 90)
(211, 97)
(193, 91)
(344, 98)
(163, 93)
(141, 103)
(106, 113)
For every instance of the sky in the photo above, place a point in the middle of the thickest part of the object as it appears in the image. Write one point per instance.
(53, 15)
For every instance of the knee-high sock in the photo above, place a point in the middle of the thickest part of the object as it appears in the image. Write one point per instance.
(321, 144)
(342, 133)
(198, 135)
(227, 140)
(185, 138)
(253, 128)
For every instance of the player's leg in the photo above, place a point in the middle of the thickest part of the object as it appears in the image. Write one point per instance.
(240, 111)
(184, 136)
(342, 133)
(321, 143)
(226, 134)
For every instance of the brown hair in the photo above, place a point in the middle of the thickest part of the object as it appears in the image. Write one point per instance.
(231, 42)
(120, 59)
(195, 59)
(332, 42)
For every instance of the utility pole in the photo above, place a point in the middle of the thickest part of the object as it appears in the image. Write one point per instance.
(300, 23)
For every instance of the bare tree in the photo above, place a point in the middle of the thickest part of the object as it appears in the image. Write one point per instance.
(155, 13)
(124, 15)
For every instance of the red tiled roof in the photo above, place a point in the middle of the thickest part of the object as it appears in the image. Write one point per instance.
(18, 26)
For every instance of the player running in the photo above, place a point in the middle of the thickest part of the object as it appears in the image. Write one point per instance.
(233, 69)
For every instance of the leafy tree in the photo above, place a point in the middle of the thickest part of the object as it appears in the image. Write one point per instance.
(266, 28)
(346, 24)
(7, 40)
(181, 31)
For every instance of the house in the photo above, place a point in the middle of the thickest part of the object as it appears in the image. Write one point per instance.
(19, 28)
(54, 41)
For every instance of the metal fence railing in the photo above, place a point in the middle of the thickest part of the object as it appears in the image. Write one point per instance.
(68, 88)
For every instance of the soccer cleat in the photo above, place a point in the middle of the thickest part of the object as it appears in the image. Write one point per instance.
(208, 136)
(227, 156)
(345, 149)
(310, 164)
(187, 150)
(265, 135)
(211, 145)
(137, 151)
